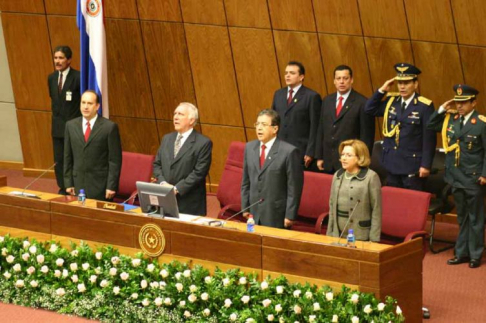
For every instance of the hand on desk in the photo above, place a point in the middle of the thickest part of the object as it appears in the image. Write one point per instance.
(110, 194)
(288, 223)
(70, 191)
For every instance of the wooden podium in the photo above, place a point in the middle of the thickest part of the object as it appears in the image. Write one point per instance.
(380, 269)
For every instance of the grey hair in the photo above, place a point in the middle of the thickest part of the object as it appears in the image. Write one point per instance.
(193, 111)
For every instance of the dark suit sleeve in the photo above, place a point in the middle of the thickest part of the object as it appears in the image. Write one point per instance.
(483, 140)
(436, 121)
(429, 139)
(157, 165)
(366, 127)
(68, 159)
(114, 158)
(200, 171)
(374, 106)
(295, 182)
(274, 106)
(320, 133)
(315, 112)
(245, 182)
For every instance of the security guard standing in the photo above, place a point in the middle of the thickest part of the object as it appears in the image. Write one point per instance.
(464, 139)
(408, 146)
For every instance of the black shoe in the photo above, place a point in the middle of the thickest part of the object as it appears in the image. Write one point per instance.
(475, 263)
(457, 261)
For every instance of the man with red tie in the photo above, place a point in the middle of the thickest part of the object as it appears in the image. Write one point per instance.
(92, 152)
(272, 173)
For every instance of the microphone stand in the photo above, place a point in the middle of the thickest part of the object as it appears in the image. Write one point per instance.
(344, 229)
(242, 211)
(30, 184)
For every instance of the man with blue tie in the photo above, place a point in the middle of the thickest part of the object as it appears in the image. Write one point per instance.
(408, 146)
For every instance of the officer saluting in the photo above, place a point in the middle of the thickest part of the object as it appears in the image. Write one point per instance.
(408, 146)
(464, 139)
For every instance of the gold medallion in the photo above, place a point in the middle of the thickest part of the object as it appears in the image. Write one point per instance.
(152, 240)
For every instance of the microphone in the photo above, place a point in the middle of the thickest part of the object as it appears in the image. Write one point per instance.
(16, 193)
(133, 196)
(244, 210)
(345, 226)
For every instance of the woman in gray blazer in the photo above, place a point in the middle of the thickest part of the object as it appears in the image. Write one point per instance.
(355, 195)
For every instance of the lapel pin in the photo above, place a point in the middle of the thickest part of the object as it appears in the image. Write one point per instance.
(295, 100)
(473, 120)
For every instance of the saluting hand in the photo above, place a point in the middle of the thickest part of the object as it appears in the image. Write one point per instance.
(448, 104)
(386, 87)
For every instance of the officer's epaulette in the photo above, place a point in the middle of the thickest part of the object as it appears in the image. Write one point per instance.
(482, 118)
(424, 100)
(451, 111)
(393, 94)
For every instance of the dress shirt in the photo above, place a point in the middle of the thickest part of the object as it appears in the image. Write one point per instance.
(345, 97)
(295, 89)
(91, 123)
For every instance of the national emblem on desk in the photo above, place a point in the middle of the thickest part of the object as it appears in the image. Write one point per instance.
(152, 240)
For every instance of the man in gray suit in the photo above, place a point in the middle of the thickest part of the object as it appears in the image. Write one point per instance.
(272, 172)
(183, 160)
(92, 152)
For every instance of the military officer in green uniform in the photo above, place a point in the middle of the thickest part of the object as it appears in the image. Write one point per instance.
(464, 139)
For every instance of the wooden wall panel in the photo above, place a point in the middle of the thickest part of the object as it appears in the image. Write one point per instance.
(128, 82)
(247, 13)
(28, 6)
(251, 132)
(440, 66)
(473, 62)
(35, 136)
(165, 10)
(164, 127)
(383, 18)
(214, 75)
(383, 54)
(169, 70)
(221, 136)
(30, 60)
(61, 7)
(337, 17)
(431, 20)
(138, 135)
(256, 70)
(63, 31)
(303, 47)
(348, 50)
(121, 9)
(469, 21)
(292, 15)
(203, 12)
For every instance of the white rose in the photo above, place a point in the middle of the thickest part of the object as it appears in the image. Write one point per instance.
(178, 275)
(19, 283)
(33, 249)
(74, 278)
(179, 287)
(10, 259)
(192, 298)
(206, 312)
(334, 318)
(297, 293)
(355, 319)
(167, 301)
(399, 310)
(40, 259)
(329, 296)
(25, 256)
(207, 279)
(226, 282)
(164, 273)
(30, 270)
(74, 253)
(245, 299)
(233, 317)
(136, 262)
(26, 244)
(242, 281)
(7, 275)
(308, 295)
(192, 288)
(104, 283)
(158, 301)
(2, 239)
(116, 290)
(124, 276)
(154, 284)
(44, 269)
(278, 308)
(227, 303)
(381, 307)
(98, 255)
(60, 291)
(280, 289)
(150, 268)
(17, 267)
(317, 307)
(367, 309)
(59, 262)
(4, 251)
(73, 266)
(65, 273)
(204, 296)
(187, 273)
(145, 302)
(57, 273)
(93, 278)
(297, 309)
(249, 320)
(355, 298)
(187, 314)
(115, 260)
(53, 249)
(134, 296)
(34, 283)
(85, 266)
(162, 285)
(112, 271)
(143, 284)
(182, 303)
(98, 270)
(266, 302)
(81, 288)
(264, 285)
(312, 318)
(270, 317)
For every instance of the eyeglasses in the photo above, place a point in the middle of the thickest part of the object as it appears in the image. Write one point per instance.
(347, 155)
(263, 124)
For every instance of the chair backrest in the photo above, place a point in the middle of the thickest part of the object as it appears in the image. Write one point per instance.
(403, 211)
(229, 190)
(315, 195)
(376, 164)
(435, 182)
(135, 167)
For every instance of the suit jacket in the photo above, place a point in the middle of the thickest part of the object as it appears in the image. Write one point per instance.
(472, 143)
(63, 110)
(352, 123)
(416, 145)
(279, 182)
(187, 171)
(299, 120)
(95, 165)
(366, 218)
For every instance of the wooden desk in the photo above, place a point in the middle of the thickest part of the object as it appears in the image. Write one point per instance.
(371, 267)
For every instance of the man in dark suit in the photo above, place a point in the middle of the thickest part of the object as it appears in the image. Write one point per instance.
(342, 118)
(464, 139)
(92, 152)
(65, 96)
(272, 172)
(408, 146)
(299, 109)
(183, 160)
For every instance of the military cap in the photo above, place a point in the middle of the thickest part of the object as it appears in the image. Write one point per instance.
(464, 92)
(406, 72)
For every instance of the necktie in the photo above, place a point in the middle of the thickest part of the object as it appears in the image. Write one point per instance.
(177, 145)
(289, 99)
(461, 123)
(262, 156)
(59, 86)
(339, 106)
(404, 105)
(87, 132)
